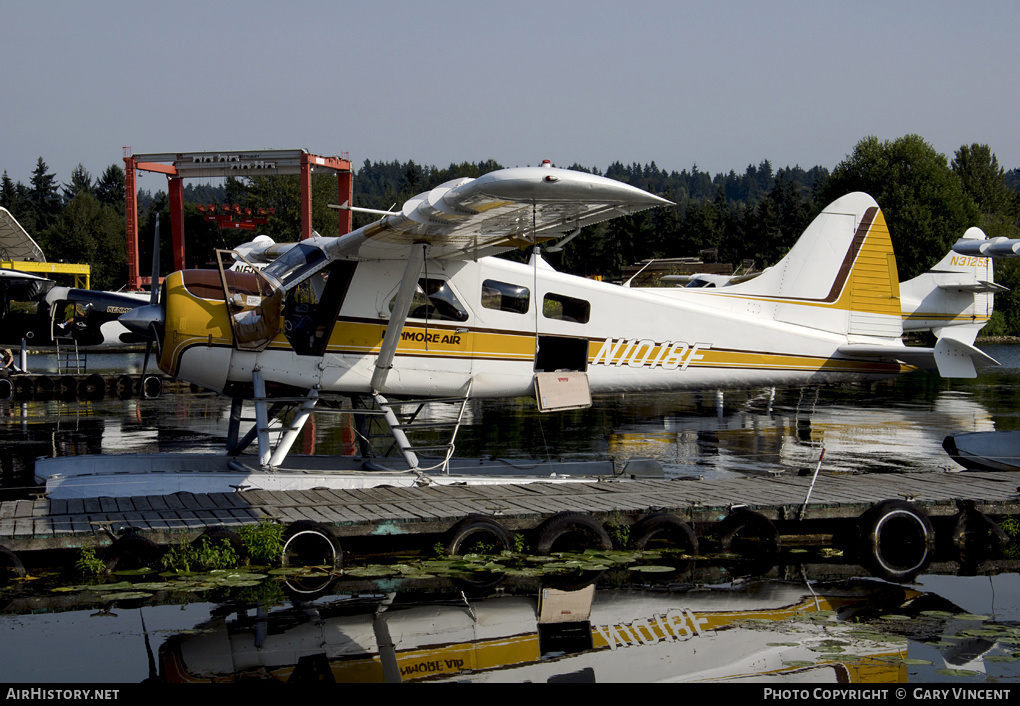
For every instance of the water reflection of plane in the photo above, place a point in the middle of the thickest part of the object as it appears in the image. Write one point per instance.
(784, 431)
(548, 635)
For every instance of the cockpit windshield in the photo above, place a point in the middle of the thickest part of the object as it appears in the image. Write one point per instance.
(296, 265)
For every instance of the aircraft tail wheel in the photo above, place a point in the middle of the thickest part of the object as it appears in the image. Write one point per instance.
(93, 387)
(130, 552)
(10, 561)
(307, 543)
(664, 529)
(6, 389)
(152, 387)
(744, 530)
(571, 531)
(896, 540)
(477, 534)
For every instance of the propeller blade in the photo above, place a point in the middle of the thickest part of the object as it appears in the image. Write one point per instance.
(145, 362)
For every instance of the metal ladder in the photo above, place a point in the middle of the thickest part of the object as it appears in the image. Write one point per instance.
(65, 353)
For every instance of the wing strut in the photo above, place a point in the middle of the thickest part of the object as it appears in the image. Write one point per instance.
(401, 306)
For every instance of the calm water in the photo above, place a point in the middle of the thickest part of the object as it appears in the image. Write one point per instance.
(811, 619)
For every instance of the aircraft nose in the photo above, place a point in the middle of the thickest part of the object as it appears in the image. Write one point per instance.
(140, 319)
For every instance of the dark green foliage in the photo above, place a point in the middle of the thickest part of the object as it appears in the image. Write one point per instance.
(922, 199)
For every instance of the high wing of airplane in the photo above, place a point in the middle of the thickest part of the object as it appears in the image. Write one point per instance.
(415, 305)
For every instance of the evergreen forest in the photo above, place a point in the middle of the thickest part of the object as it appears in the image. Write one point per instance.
(928, 199)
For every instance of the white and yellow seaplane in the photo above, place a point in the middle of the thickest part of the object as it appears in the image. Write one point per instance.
(415, 305)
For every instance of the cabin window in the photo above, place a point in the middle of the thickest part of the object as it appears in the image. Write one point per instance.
(296, 265)
(564, 308)
(435, 300)
(503, 296)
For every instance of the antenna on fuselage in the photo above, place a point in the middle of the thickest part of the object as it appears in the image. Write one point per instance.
(627, 283)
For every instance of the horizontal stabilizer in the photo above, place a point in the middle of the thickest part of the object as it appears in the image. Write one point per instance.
(980, 286)
(957, 359)
(952, 358)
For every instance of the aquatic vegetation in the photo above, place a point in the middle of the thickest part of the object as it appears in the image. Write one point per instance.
(204, 553)
(1011, 526)
(88, 563)
(618, 530)
(263, 541)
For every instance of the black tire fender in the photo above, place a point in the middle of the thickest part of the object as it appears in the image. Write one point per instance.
(68, 387)
(747, 524)
(664, 527)
(307, 543)
(6, 389)
(130, 550)
(44, 387)
(93, 387)
(573, 528)
(477, 528)
(11, 562)
(151, 387)
(896, 540)
(125, 387)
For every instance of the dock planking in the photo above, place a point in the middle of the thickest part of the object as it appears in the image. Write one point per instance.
(27, 525)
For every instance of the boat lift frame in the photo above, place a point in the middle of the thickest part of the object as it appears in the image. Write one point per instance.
(183, 165)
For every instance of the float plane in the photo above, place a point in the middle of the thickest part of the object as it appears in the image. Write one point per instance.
(42, 314)
(416, 305)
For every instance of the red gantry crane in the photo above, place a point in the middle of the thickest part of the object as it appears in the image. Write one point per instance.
(184, 165)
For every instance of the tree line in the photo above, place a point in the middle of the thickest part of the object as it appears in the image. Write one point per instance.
(928, 201)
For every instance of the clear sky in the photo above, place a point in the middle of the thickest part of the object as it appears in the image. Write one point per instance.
(719, 84)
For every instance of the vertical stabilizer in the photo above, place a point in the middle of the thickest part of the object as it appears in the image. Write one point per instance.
(840, 276)
(955, 298)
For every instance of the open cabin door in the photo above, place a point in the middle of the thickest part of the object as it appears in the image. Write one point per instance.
(306, 314)
(253, 304)
(561, 362)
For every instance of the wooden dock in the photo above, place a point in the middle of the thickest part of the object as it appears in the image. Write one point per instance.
(32, 525)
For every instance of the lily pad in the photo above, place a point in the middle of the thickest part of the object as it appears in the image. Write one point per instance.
(971, 616)
(956, 672)
(827, 649)
(653, 569)
(126, 595)
(1001, 658)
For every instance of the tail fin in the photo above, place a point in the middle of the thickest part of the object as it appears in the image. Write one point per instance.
(840, 276)
(956, 297)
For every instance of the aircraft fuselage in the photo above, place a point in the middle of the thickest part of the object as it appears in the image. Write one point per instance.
(496, 323)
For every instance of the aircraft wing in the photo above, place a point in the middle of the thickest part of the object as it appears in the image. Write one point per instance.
(17, 274)
(469, 218)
